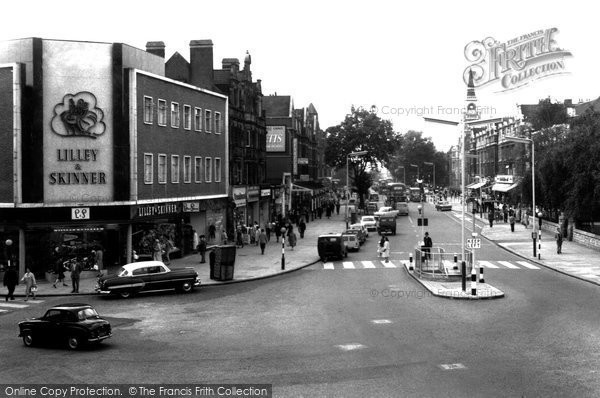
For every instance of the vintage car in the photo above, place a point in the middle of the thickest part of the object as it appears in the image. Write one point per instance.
(386, 224)
(350, 239)
(369, 223)
(365, 233)
(443, 206)
(402, 208)
(145, 276)
(74, 324)
(386, 210)
(331, 246)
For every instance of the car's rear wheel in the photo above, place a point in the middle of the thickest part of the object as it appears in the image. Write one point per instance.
(125, 294)
(74, 342)
(28, 339)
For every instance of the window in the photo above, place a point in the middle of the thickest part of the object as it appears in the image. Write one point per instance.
(197, 119)
(248, 138)
(148, 105)
(162, 112)
(174, 114)
(217, 169)
(198, 169)
(207, 121)
(162, 168)
(187, 169)
(175, 169)
(148, 171)
(187, 117)
(207, 169)
(217, 123)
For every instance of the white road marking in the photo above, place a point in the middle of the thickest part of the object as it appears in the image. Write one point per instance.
(381, 321)
(328, 266)
(388, 264)
(508, 265)
(11, 305)
(348, 264)
(527, 265)
(350, 347)
(452, 366)
(36, 301)
(487, 264)
(368, 264)
(3, 310)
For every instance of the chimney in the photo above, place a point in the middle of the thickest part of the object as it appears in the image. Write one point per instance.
(231, 64)
(156, 48)
(201, 63)
(568, 102)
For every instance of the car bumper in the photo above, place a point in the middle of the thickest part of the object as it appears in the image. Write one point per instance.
(197, 282)
(99, 338)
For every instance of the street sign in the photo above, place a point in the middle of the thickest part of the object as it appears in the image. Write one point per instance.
(474, 243)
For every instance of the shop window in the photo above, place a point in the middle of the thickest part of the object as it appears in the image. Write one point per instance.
(187, 117)
(162, 168)
(148, 169)
(207, 169)
(148, 108)
(217, 170)
(162, 112)
(197, 119)
(207, 121)
(175, 169)
(174, 115)
(187, 169)
(198, 169)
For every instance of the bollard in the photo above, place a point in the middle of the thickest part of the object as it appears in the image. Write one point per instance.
(481, 280)
(410, 262)
(455, 261)
(540, 244)
(282, 253)
(473, 281)
(463, 271)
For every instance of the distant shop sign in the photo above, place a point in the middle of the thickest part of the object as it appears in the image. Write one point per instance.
(158, 209)
(302, 160)
(253, 194)
(191, 207)
(504, 179)
(265, 192)
(239, 196)
(275, 138)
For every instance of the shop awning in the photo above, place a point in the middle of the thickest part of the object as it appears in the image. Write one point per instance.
(476, 185)
(299, 188)
(503, 187)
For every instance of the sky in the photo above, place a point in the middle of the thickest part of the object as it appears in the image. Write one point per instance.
(407, 59)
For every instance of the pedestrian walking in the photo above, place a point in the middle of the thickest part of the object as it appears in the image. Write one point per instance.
(30, 284)
(302, 228)
(99, 259)
(380, 246)
(262, 241)
(75, 274)
(337, 207)
(168, 249)
(212, 231)
(277, 230)
(59, 270)
(11, 280)
(156, 251)
(427, 245)
(511, 221)
(268, 230)
(540, 218)
(239, 239)
(202, 249)
(491, 217)
(386, 249)
(292, 239)
(224, 238)
(558, 236)
(257, 233)
(505, 213)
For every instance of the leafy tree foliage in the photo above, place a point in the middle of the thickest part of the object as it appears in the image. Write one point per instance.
(361, 130)
(548, 114)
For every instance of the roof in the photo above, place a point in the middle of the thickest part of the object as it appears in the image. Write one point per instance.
(278, 105)
(141, 264)
(70, 306)
(585, 106)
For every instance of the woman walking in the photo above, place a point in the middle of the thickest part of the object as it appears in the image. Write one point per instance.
(386, 250)
(30, 284)
(59, 269)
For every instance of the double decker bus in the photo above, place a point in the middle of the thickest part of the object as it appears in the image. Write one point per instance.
(397, 192)
(415, 194)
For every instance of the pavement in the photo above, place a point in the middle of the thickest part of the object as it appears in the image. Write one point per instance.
(576, 260)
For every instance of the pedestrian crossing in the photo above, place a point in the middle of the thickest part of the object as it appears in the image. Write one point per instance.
(18, 304)
(491, 264)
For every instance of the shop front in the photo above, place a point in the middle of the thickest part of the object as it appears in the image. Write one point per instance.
(265, 206)
(253, 205)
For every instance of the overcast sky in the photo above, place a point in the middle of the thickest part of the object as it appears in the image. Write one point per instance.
(405, 58)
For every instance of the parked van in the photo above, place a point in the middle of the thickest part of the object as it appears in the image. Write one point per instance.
(331, 246)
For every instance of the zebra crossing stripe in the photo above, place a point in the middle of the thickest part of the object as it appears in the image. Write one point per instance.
(328, 266)
(348, 264)
(508, 265)
(527, 265)
(11, 305)
(388, 264)
(368, 264)
(487, 264)
(3, 310)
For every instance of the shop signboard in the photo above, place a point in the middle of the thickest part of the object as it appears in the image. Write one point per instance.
(191, 207)
(265, 192)
(504, 179)
(275, 138)
(239, 196)
(157, 209)
(253, 194)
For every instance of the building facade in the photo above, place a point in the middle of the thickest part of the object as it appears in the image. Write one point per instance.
(104, 152)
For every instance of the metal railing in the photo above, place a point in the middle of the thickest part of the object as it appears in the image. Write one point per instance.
(435, 262)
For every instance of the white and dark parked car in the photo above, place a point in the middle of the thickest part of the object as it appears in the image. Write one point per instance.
(369, 223)
(73, 324)
(146, 276)
(443, 206)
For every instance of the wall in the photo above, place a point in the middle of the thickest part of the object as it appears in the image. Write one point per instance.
(582, 237)
(6, 134)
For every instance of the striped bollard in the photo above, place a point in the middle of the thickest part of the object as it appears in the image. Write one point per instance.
(540, 244)
(282, 253)
(410, 262)
(455, 261)
(481, 280)
(473, 281)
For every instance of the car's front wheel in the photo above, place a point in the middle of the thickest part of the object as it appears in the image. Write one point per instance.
(74, 342)
(186, 287)
(28, 339)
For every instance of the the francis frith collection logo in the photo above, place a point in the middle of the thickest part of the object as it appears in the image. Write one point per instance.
(517, 62)
(78, 116)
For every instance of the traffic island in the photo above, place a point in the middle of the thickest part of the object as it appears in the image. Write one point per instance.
(453, 289)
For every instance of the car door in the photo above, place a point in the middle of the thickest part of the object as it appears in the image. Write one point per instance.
(159, 277)
(47, 328)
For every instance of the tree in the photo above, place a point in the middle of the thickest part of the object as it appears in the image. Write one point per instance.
(361, 130)
(548, 114)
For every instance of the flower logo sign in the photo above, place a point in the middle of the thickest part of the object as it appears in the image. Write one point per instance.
(78, 116)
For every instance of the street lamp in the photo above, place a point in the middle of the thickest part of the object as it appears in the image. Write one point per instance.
(414, 165)
(524, 140)
(432, 164)
(351, 154)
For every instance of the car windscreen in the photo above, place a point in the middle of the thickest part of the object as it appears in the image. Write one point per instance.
(88, 313)
(122, 272)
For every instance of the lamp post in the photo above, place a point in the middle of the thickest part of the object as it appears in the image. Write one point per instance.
(432, 164)
(353, 154)
(524, 140)
(414, 165)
